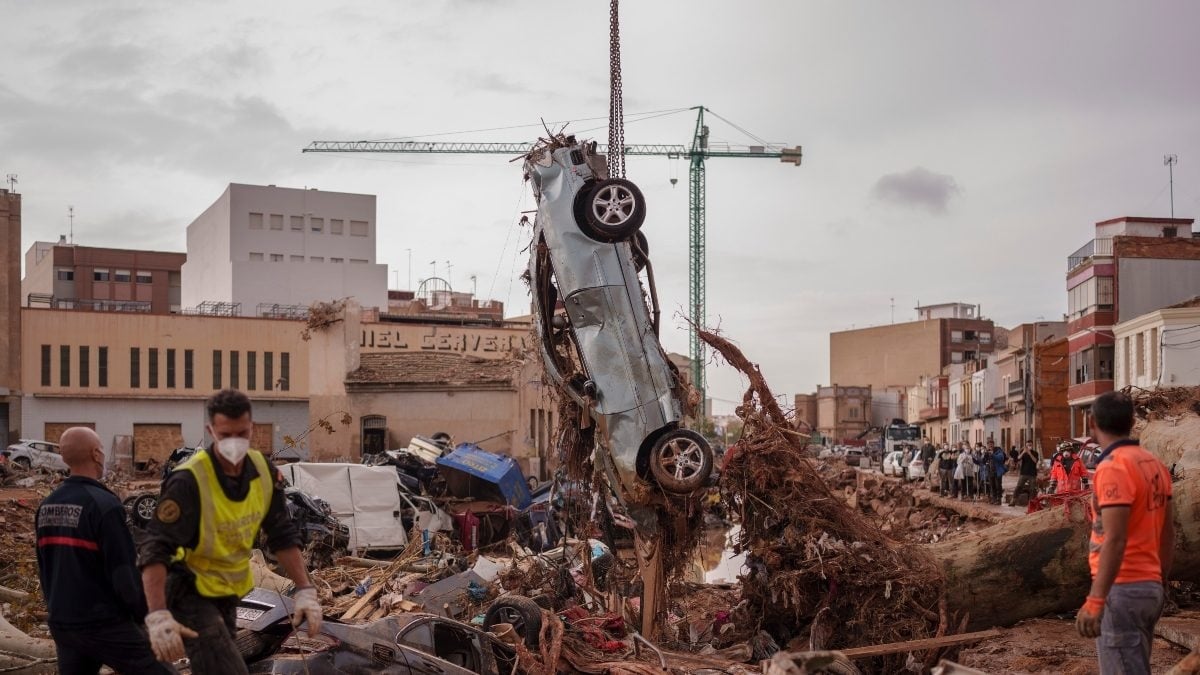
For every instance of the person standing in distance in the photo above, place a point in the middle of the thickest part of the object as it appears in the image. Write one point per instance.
(87, 567)
(1132, 546)
(196, 560)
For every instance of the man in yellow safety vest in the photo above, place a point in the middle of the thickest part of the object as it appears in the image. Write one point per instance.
(195, 560)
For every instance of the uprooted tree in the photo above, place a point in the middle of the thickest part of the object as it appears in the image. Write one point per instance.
(822, 576)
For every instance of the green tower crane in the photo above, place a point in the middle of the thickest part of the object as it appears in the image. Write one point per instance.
(697, 153)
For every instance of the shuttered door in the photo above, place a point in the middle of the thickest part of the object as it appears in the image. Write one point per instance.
(54, 430)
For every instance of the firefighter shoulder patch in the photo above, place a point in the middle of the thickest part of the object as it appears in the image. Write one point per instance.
(167, 511)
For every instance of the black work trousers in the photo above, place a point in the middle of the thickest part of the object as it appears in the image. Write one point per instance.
(215, 619)
(122, 646)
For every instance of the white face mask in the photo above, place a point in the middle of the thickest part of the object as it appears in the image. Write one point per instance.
(233, 449)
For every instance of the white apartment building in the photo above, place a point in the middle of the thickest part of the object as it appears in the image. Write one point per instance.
(1160, 349)
(267, 248)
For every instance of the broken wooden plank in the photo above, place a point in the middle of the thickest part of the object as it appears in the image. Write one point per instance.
(920, 645)
(367, 597)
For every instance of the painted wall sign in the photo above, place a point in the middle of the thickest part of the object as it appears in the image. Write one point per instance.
(476, 342)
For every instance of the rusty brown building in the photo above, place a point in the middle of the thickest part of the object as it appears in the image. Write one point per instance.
(66, 276)
(10, 315)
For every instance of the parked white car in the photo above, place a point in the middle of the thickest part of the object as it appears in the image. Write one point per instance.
(915, 469)
(891, 464)
(27, 454)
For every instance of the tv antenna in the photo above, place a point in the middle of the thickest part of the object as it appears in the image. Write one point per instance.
(12, 182)
(71, 224)
(1170, 161)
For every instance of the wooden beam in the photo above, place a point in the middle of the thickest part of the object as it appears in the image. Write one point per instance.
(920, 645)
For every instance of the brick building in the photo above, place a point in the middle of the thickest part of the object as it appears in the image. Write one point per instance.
(10, 315)
(1131, 266)
(843, 413)
(66, 276)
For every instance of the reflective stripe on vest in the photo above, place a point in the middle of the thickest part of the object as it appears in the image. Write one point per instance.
(228, 528)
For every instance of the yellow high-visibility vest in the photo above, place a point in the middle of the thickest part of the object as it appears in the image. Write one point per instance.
(228, 528)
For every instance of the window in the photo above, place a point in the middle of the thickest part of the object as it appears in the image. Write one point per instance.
(358, 261)
(956, 357)
(234, 368)
(170, 369)
(297, 258)
(358, 228)
(1104, 362)
(297, 222)
(99, 275)
(1104, 292)
(64, 366)
(122, 276)
(276, 221)
(985, 337)
(336, 225)
(102, 367)
(969, 335)
(1154, 354)
(317, 224)
(268, 371)
(216, 369)
(45, 365)
(317, 258)
(256, 257)
(135, 367)
(256, 221)
(251, 371)
(188, 362)
(336, 261)
(284, 370)
(276, 257)
(64, 275)
(1139, 359)
(153, 370)
(956, 336)
(84, 365)
(145, 278)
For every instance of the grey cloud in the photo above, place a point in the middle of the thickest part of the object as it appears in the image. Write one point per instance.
(473, 81)
(103, 62)
(917, 188)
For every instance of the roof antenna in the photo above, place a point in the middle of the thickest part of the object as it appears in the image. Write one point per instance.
(71, 224)
(12, 182)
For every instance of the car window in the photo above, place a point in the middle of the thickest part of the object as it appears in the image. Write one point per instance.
(456, 645)
(419, 637)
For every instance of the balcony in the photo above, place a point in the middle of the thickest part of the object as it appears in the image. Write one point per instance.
(960, 410)
(1016, 387)
(934, 412)
(1095, 247)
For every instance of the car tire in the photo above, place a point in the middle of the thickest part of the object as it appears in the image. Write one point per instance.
(143, 509)
(610, 210)
(523, 614)
(641, 250)
(23, 463)
(681, 461)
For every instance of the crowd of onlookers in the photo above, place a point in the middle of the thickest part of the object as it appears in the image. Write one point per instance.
(976, 473)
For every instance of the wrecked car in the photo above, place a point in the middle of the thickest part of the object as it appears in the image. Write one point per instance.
(406, 643)
(598, 320)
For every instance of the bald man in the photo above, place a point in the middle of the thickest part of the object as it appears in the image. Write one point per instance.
(88, 569)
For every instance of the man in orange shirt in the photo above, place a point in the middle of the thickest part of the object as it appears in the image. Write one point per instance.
(1132, 546)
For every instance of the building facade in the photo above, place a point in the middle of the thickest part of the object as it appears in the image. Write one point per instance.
(10, 315)
(1130, 267)
(901, 354)
(843, 413)
(266, 250)
(1159, 349)
(66, 276)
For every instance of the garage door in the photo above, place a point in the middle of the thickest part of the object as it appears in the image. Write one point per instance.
(263, 438)
(155, 441)
(54, 430)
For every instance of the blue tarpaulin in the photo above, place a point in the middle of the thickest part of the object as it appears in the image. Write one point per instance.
(472, 472)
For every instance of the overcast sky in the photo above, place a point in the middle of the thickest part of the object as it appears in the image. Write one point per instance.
(953, 151)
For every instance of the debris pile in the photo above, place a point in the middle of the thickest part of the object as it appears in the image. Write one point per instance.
(821, 575)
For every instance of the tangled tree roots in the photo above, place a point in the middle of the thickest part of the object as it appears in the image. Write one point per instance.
(820, 576)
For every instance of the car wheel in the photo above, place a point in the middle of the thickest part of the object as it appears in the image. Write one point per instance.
(612, 210)
(143, 509)
(681, 461)
(23, 463)
(523, 614)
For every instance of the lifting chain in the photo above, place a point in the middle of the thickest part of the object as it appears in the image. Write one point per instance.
(616, 105)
